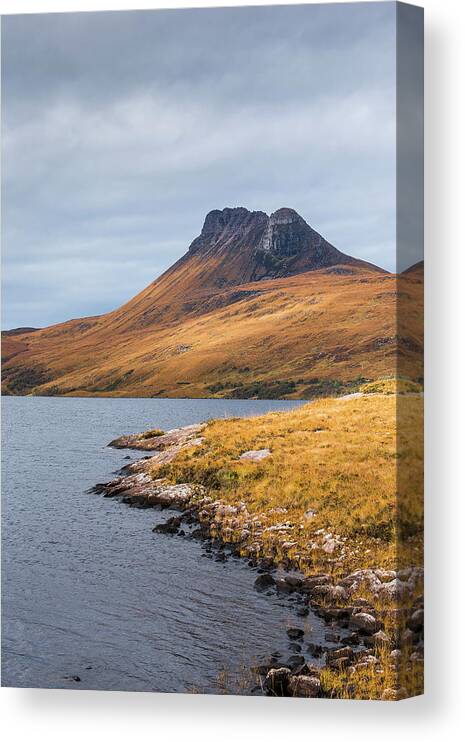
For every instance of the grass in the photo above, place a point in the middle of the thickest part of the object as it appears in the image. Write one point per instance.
(154, 433)
(350, 470)
(334, 469)
(297, 337)
(391, 386)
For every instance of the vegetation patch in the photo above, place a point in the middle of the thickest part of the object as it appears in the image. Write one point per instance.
(155, 433)
(263, 390)
(392, 386)
(22, 380)
(333, 469)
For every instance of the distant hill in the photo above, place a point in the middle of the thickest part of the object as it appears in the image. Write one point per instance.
(19, 331)
(259, 306)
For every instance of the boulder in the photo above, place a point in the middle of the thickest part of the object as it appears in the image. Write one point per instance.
(415, 622)
(293, 581)
(393, 590)
(339, 658)
(263, 582)
(304, 686)
(316, 650)
(394, 694)
(277, 680)
(294, 632)
(381, 639)
(296, 661)
(385, 575)
(364, 622)
(171, 526)
(406, 637)
(259, 455)
(338, 594)
(282, 586)
(309, 583)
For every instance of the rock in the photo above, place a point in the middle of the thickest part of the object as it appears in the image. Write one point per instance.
(406, 637)
(381, 639)
(198, 533)
(310, 669)
(266, 564)
(385, 575)
(263, 582)
(415, 622)
(172, 441)
(296, 661)
(304, 686)
(282, 586)
(294, 582)
(338, 594)
(302, 611)
(309, 583)
(362, 603)
(276, 681)
(309, 514)
(329, 545)
(259, 455)
(339, 658)
(364, 622)
(394, 694)
(321, 590)
(330, 636)
(336, 614)
(295, 633)
(316, 650)
(294, 647)
(393, 590)
(352, 639)
(361, 578)
(171, 526)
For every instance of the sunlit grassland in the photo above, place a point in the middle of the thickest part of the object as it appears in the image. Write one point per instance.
(349, 467)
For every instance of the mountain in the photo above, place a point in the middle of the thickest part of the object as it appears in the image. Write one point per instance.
(258, 306)
(239, 246)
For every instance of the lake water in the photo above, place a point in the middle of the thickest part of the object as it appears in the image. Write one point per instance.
(88, 589)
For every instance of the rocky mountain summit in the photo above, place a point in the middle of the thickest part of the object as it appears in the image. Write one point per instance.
(259, 306)
(251, 246)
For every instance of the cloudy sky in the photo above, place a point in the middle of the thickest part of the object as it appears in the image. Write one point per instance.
(122, 130)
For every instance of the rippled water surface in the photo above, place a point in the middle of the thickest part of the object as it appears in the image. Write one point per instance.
(88, 589)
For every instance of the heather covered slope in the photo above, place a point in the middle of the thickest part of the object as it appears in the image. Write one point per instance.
(258, 307)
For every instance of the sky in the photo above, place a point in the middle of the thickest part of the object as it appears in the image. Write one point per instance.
(122, 130)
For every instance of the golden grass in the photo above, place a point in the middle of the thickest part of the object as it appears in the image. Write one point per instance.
(176, 341)
(352, 468)
(334, 468)
(154, 433)
(391, 386)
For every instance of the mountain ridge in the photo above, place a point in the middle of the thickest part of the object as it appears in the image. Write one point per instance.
(258, 305)
(251, 246)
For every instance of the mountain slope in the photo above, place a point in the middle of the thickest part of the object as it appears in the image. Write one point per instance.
(258, 306)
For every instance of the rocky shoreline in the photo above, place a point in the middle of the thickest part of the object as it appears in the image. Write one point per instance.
(374, 617)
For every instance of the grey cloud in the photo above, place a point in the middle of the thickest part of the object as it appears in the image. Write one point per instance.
(121, 130)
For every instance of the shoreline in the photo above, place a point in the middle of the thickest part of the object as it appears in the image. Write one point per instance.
(374, 616)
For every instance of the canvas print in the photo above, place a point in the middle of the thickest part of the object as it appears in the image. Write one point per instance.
(212, 351)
